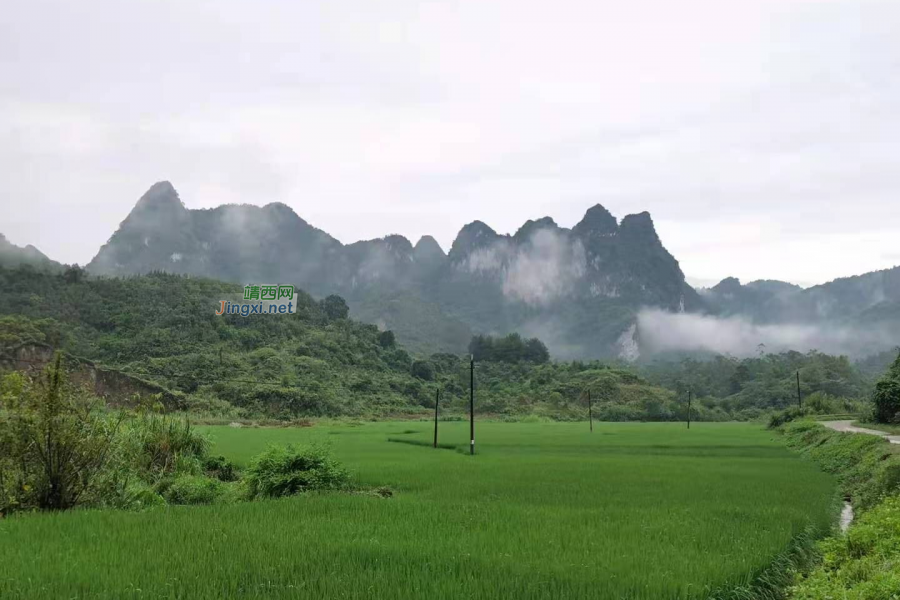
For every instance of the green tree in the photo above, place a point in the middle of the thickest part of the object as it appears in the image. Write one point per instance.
(335, 307)
(887, 395)
(386, 339)
(423, 369)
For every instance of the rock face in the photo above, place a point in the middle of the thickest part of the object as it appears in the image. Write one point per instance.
(116, 388)
(577, 289)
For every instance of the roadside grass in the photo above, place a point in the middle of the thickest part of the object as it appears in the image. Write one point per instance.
(862, 563)
(891, 429)
(642, 511)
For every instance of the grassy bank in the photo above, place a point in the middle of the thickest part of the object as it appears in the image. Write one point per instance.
(864, 563)
(867, 466)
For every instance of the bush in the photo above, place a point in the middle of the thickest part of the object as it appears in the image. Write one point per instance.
(288, 470)
(386, 339)
(887, 395)
(220, 468)
(159, 445)
(192, 489)
(55, 442)
(422, 369)
(779, 418)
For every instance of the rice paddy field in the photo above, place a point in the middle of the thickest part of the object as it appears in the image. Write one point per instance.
(544, 510)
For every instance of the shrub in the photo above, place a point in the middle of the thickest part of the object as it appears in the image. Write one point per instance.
(159, 444)
(288, 470)
(220, 468)
(192, 489)
(132, 494)
(887, 396)
(386, 339)
(779, 418)
(422, 369)
(55, 441)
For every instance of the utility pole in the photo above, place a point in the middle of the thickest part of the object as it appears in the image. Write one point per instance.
(590, 411)
(799, 397)
(437, 398)
(472, 405)
(689, 408)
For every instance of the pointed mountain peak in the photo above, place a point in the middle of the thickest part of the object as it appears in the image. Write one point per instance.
(639, 226)
(729, 284)
(597, 221)
(282, 211)
(528, 229)
(471, 237)
(398, 243)
(160, 196)
(427, 251)
(477, 228)
(428, 244)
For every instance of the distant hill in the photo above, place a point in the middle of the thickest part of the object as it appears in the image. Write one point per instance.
(13, 256)
(578, 289)
(162, 330)
(871, 300)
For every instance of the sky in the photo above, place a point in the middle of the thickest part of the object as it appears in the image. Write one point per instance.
(763, 136)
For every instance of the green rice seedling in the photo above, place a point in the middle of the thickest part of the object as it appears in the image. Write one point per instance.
(543, 510)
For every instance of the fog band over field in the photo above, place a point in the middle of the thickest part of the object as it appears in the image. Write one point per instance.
(662, 331)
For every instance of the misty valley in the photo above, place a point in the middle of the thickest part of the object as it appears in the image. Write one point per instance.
(409, 300)
(552, 413)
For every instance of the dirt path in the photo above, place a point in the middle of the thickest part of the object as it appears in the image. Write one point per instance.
(847, 426)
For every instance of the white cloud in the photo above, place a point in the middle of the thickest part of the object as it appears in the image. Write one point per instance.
(661, 331)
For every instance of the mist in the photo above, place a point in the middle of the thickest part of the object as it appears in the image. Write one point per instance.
(661, 331)
(542, 270)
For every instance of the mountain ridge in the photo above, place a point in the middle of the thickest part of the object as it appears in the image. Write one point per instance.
(580, 289)
(603, 270)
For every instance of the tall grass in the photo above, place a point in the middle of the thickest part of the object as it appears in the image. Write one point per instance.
(643, 511)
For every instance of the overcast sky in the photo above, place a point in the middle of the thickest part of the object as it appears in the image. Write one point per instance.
(762, 135)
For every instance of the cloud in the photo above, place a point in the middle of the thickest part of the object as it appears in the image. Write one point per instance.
(540, 270)
(752, 131)
(545, 269)
(661, 331)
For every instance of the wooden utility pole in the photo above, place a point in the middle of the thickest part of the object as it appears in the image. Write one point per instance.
(689, 409)
(799, 397)
(437, 398)
(472, 405)
(590, 411)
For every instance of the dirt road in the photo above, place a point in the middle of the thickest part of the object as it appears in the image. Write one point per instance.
(848, 426)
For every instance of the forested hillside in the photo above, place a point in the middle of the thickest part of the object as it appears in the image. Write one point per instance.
(163, 328)
(769, 381)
